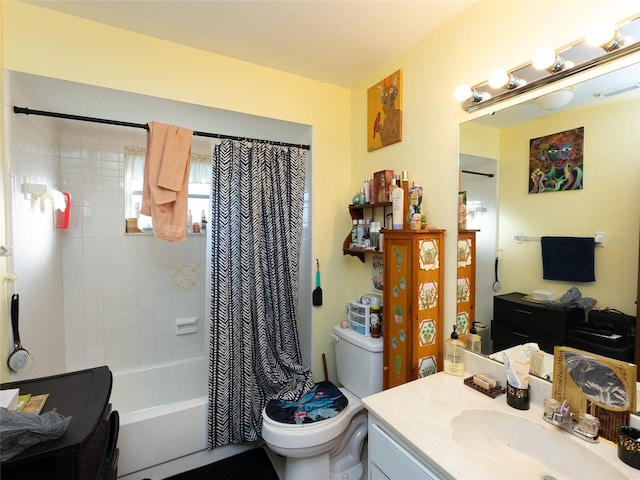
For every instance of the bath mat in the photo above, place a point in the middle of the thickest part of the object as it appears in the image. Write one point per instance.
(568, 259)
(253, 464)
(324, 401)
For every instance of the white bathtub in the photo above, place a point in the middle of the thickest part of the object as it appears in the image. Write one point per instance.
(163, 420)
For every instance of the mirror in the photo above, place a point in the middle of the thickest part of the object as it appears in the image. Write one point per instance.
(501, 207)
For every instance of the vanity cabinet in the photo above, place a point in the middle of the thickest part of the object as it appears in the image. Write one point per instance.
(466, 287)
(357, 212)
(390, 460)
(87, 449)
(517, 320)
(413, 275)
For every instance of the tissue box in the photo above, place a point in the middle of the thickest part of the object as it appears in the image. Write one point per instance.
(9, 398)
(543, 295)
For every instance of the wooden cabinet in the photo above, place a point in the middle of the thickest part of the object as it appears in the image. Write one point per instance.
(357, 212)
(413, 308)
(466, 286)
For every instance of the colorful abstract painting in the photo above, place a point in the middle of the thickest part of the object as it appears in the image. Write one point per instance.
(556, 162)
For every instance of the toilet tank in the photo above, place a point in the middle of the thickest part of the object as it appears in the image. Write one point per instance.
(358, 361)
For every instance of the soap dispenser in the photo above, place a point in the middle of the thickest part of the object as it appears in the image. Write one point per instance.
(454, 355)
(474, 340)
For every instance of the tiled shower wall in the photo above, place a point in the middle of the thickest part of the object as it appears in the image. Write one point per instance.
(31, 154)
(91, 295)
(122, 295)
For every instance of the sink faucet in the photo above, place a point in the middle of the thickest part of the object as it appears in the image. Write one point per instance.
(559, 415)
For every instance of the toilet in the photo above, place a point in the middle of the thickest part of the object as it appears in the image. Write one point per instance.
(332, 448)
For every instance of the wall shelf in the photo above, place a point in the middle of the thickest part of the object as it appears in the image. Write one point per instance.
(357, 213)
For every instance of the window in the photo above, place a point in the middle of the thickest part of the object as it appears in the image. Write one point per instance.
(199, 184)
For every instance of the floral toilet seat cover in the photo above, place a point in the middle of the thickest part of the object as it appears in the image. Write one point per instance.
(324, 401)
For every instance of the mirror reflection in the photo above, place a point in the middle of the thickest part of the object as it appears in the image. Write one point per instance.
(497, 162)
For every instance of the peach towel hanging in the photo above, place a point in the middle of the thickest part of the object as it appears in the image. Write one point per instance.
(166, 180)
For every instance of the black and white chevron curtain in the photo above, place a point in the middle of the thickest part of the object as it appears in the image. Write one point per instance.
(257, 195)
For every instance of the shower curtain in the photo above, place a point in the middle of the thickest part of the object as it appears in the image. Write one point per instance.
(257, 195)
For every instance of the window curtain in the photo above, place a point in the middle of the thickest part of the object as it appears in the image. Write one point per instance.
(200, 171)
(257, 193)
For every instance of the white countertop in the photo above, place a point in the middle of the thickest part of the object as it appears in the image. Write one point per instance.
(420, 414)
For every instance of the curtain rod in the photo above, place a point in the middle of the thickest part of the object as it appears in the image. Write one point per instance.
(144, 126)
(490, 175)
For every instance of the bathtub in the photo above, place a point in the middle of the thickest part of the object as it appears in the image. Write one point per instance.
(163, 420)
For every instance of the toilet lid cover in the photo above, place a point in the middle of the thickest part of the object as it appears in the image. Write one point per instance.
(324, 401)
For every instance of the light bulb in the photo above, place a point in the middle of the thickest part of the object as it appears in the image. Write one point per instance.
(502, 79)
(545, 59)
(462, 93)
(604, 35)
(466, 94)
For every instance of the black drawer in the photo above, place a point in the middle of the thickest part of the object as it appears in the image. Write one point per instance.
(505, 336)
(512, 310)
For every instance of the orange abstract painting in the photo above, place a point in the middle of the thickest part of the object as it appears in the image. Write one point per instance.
(384, 112)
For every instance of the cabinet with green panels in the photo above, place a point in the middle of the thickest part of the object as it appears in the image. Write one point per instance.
(413, 304)
(466, 281)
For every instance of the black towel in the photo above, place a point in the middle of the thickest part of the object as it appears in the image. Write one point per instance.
(568, 259)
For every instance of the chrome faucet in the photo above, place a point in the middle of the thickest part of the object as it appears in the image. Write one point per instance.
(558, 414)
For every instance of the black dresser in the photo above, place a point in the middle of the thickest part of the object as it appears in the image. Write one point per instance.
(87, 450)
(517, 321)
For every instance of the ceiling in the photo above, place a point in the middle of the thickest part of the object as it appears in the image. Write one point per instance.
(337, 42)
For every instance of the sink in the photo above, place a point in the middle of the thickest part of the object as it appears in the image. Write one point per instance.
(505, 445)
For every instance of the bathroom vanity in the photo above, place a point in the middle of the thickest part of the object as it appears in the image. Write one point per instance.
(438, 428)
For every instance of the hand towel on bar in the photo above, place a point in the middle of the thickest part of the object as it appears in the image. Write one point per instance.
(568, 259)
(166, 180)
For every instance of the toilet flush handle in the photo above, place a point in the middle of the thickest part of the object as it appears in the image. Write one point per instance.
(335, 337)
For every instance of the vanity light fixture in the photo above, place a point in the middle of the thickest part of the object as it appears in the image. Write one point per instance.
(548, 66)
(501, 79)
(549, 60)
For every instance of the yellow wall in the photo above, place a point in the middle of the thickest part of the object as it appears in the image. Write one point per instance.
(479, 140)
(609, 202)
(492, 34)
(43, 42)
(487, 36)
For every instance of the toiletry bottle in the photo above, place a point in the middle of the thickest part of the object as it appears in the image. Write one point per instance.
(392, 187)
(474, 340)
(189, 222)
(203, 221)
(454, 355)
(365, 189)
(360, 232)
(354, 232)
(397, 201)
(406, 215)
(374, 320)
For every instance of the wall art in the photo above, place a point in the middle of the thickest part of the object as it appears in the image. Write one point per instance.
(556, 162)
(384, 112)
